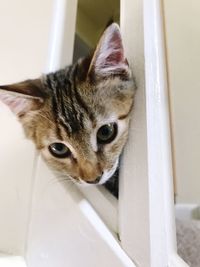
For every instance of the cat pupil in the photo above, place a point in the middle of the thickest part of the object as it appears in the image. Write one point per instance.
(59, 147)
(106, 131)
(59, 150)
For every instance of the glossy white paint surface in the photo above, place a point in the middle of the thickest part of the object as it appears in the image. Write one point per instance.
(66, 230)
(61, 43)
(105, 204)
(147, 164)
(12, 261)
(161, 204)
(160, 173)
(133, 197)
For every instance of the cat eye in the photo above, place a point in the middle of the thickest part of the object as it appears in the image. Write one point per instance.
(59, 150)
(107, 133)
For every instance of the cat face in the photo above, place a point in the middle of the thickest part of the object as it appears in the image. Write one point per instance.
(78, 117)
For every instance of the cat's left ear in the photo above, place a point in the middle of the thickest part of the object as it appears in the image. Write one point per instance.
(24, 96)
(109, 58)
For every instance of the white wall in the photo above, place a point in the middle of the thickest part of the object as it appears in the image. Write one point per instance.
(183, 47)
(24, 32)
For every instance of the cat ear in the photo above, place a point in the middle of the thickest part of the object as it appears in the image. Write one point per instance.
(108, 58)
(23, 97)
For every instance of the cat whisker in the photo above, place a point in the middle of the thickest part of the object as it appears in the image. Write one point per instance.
(70, 182)
(57, 179)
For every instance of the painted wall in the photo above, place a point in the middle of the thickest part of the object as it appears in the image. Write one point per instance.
(24, 32)
(183, 47)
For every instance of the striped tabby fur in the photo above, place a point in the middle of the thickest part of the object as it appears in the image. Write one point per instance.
(72, 104)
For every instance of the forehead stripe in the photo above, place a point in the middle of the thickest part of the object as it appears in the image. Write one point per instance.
(55, 102)
(68, 106)
(79, 99)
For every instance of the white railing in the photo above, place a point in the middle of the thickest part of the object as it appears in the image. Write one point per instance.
(12, 261)
(147, 204)
(161, 194)
(61, 43)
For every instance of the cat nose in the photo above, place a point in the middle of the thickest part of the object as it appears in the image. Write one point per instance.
(95, 181)
(89, 171)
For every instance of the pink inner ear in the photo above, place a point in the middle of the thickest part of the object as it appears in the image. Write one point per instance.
(117, 54)
(110, 53)
(17, 104)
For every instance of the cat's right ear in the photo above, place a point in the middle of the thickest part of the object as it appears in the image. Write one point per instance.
(109, 59)
(24, 96)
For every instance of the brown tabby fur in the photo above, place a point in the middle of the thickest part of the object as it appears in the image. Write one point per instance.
(69, 106)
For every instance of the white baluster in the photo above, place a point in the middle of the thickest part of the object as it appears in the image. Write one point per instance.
(61, 41)
(147, 224)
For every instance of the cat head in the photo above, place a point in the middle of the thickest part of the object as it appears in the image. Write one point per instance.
(78, 117)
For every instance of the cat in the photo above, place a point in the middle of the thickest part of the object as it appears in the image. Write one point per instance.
(78, 117)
